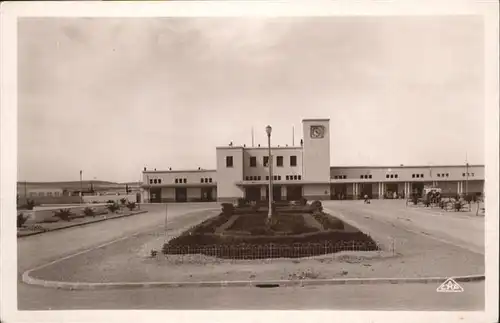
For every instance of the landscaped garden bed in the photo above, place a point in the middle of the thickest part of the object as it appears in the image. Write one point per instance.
(66, 218)
(252, 236)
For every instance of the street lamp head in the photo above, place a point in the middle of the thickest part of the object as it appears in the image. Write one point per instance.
(269, 130)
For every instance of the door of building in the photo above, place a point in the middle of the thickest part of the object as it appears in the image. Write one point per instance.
(276, 192)
(293, 192)
(180, 194)
(252, 193)
(155, 195)
(206, 194)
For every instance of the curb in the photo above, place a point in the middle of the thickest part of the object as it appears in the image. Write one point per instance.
(78, 225)
(271, 283)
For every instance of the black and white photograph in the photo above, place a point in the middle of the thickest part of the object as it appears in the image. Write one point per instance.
(249, 157)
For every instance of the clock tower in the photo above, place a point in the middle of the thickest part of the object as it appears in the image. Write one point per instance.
(316, 157)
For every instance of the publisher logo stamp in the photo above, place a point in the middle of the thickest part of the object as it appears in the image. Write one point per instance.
(450, 286)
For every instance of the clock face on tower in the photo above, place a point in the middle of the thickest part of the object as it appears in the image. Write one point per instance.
(317, 132)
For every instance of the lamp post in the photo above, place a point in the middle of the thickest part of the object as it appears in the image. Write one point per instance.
(270, 163)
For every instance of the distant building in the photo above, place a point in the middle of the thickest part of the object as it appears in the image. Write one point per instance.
(303, 171)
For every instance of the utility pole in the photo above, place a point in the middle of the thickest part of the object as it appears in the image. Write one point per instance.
(81, 187)
(466, 176)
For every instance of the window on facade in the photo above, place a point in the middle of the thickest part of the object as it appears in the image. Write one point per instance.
(202, 180)
(56, 193)
(361, 176)
(267, 178)
(369, 176)
(345, 176)
(293, 160)
(287, 177)
(49, 193)
(386, 175)
(265, 161)
(463, 174)
(229, 161)
(335, 177)
(185, 180)
(279, 161)
(439, 175)
(413, 175)
(421, 175)
(275, 177)
(392, 176)
(210, 180)
(150, 181)
(155, 181)
(279, 177)
(159, 181)
(447, 174)
(300, 177)
(253, 161)
(417, 176)
(472, 174)
(396, 176)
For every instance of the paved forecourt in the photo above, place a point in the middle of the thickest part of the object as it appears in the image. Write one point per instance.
(37, 250)
(372, 217)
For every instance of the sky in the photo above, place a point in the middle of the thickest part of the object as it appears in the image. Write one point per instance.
(111, 96)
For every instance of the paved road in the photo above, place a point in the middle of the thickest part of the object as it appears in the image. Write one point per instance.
(40, 249)
(369, 297)
(460, 229)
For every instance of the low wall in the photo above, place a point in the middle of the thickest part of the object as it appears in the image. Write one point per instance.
(51, 200)
(105, 198)
(41, 213)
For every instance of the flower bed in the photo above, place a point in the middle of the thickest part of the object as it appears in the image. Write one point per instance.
(328, 222)
(282, 223)
(250, 235)
(285, 245)
(281, 249)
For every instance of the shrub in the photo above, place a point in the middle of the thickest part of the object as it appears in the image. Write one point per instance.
(63, 214)
(113, 207)
(328, 222)
(316, 206)
(153, 253)
(227, 209)
(303, 201)
(123, 201)
(88, 211)
(242, 202)
(131, 205)
(111, 202)
(21, 220)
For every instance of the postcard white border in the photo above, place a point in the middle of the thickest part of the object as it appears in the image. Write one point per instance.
(10, 11)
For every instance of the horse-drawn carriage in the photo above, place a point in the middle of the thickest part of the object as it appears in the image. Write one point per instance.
(431, 197)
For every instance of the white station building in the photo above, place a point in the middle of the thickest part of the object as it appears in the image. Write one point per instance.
(303, 171)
